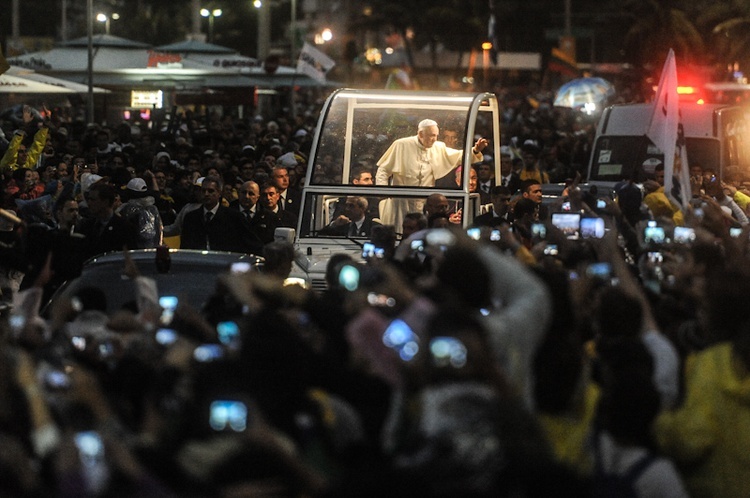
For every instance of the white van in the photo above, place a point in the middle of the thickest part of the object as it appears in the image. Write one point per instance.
(715, 137)
(355, 128)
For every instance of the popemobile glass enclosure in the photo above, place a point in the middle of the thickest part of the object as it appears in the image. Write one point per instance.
(356, 127)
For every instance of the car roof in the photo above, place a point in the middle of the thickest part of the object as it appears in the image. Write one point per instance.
(191, 276)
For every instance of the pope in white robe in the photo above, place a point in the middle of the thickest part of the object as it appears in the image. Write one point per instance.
(417, 161)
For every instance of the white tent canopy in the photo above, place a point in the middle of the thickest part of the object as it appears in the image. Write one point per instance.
(118, 62)
(28, 74)
(17, 84)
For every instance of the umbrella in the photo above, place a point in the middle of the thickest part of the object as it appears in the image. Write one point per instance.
(581, 93)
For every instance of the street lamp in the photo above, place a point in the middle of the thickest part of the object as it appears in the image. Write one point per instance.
(211, 14)
(104, 18)
(323, 37)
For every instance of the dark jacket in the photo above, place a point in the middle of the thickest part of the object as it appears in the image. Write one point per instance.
(344, 230)
(262, 224)
(489, 219)
(116, 235)
(485, 197)
(228, 230)
(293, 200)
(283, 218)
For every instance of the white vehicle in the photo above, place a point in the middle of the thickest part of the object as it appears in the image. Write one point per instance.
(355, 128)
(715, 137)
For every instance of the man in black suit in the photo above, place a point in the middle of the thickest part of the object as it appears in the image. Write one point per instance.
(354, 222)
(216, 227)
(361, 176)
(281, 217)
(260, 220)
(485, 181)
(104, 230)
(500, 213)
(289, 198)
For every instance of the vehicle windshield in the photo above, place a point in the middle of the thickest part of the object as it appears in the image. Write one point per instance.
(359, 128)
(615, 158)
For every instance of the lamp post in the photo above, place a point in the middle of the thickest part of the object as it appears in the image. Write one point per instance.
(211, 14)
(90, 67)
(107, 20)
(264, 28)
(293, 47)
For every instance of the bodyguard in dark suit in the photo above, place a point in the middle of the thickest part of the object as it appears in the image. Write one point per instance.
(500, 213)
(104, 230)
(216, 227)
(281, 217)
(260, 219)
(289, 198)
(354, 222)
(485, 181)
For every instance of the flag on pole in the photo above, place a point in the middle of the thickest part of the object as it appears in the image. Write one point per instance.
(562, 63)
(664, 130)
(314, 63)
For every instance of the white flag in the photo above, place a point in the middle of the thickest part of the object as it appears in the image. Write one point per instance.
(664, 132)
(314, 63)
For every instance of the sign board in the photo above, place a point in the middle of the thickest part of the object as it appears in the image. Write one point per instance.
(146, 99)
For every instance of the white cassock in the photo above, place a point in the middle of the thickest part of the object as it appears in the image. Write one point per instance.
(408, 163)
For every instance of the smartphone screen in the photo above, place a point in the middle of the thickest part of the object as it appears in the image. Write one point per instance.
(568, 223)
(349, 277)
(368, 250)
(417, 245)
(168, 305)
(228, 332)
(592, 228)
(655, 258)
(57, 379)
(228, 414)
(401, 338)
(599, 270)
(474, 233)
(240, 267)
(538, 231)
(208, 352)
(166, 337)
(447, 351)
(653, 235)
(685, 235)
(90, 445)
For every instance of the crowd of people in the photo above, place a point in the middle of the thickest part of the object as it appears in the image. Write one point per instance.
(527, 356)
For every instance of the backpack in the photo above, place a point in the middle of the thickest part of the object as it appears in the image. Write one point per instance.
(611, 485)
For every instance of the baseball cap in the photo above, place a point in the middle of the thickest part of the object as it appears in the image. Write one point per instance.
(137, 185)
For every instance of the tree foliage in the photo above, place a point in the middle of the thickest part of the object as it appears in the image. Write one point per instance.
(656, 27)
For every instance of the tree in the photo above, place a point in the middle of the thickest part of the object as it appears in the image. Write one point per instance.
(657, 26)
